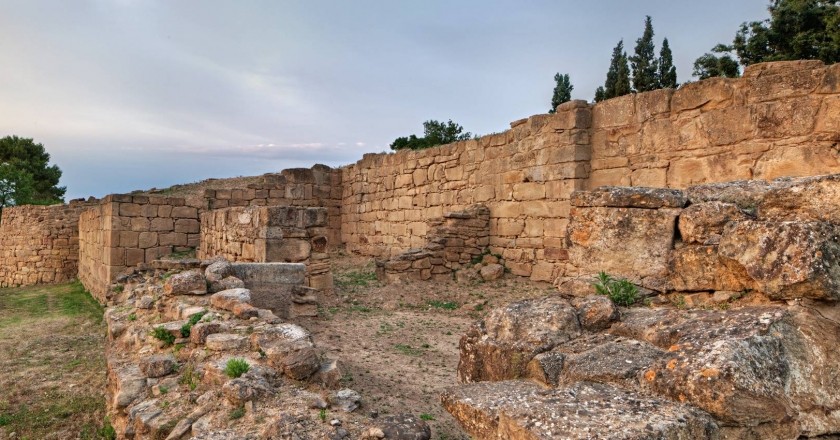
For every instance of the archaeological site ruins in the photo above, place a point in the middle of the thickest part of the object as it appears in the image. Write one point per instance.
(717, 203)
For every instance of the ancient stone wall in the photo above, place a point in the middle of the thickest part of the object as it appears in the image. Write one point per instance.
(780, 119)
(93, 272)
(39, 244)
(319, 186)
(266, 234)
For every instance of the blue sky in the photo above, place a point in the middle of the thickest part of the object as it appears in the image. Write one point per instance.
(134, 94)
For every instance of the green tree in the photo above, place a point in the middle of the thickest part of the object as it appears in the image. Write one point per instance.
(796, 30)
(667, 75)
(710, 65)
(16, 186)
(435, 133)
(27, 161)
(562, 91)
(618, 76)
(643, 61)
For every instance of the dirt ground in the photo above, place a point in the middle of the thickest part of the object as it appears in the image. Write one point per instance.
(399, 343)
(51, 356)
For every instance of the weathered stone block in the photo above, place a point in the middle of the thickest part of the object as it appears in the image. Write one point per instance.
(703, 223)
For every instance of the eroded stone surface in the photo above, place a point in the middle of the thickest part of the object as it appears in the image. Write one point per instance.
(629, 197)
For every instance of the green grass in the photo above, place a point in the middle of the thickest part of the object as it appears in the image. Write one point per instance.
(621, 291)
(24, 304)
(355, 279)
(445, 305)
(236, 367)
(409, 350)
(425, 416)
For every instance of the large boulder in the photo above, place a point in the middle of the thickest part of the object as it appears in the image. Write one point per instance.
(703, 223)
(288, 348)
(787, 259)
(230, 299)
(190, 282)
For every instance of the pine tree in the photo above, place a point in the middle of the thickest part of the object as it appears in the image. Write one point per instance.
(644, 62)
(562, 91)
(618, 76)
(667, 76)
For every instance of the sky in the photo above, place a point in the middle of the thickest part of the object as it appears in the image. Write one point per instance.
(136, 94)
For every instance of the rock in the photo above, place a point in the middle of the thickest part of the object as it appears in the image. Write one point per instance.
(228, 299)
(500, 346)
(468, 275)
(289, 348)
(703, 223)
(145, 302)
(695, 268)
(200, 331)
(787, 259)
(519, 409)
(745, 194)
(191, 282)
(802, 199)
(313, 400)
(329, 375)
(126, 383)
(245, 311)
(304, 302)
(225, 342)
(630, 243)
(490, 259)
(218, 270)
(346, 400)
(404, 427)
(373, 433)
(629, 197)
(492, 272)
(226, 283)
(246, 388)
(595, 312)
(158, 365)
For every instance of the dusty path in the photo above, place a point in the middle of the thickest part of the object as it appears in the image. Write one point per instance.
(399, 343)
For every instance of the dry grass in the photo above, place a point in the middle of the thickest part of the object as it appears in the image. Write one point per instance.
(53, 381)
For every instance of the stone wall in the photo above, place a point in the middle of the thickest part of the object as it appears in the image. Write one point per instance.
(319, 186)
(40, 244)
(779, 119)
(126, 230)
(265, 234)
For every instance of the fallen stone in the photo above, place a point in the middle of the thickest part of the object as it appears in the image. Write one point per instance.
(500, 346)
(787, 259)
(145, 302)
(228, 299)
(218, 270)
(245, 311)
(700, 268)
(247, 388)
(404, 427)
(629, 197)
(492, 271)
(225, 342)
(191, 282)
(595, 312)
(226, 283)
(521, 409)
(158, 365)
(200, 331)
(126, 384)
(346, 400)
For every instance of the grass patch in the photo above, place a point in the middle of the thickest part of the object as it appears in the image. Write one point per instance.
(355, 279)
(426, 416)
(236, 367)
(619, 290)
(25, 304)
(409, 350)
(445, 305)
(162, 334)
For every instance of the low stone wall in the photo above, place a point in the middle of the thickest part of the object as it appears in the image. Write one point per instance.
(455, 240)
(40, 244)
(266, 234)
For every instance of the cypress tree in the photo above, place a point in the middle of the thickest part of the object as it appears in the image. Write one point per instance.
(667, 76)
(618, 76)
(622, 83)
(644, 62)
(600, 95)
(562, 91)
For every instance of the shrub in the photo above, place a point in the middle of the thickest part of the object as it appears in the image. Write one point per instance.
(163, 335)
(618, 290)
(187, 327)
(236, 367)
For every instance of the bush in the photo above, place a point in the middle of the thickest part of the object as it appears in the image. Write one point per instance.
(163, 335)
(187, 327)
(236, 367)
(618, 290)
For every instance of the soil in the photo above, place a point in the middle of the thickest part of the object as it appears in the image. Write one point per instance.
(398, 344)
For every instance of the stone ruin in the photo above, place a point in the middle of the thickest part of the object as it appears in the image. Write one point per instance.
(737, 340)
(740, 278)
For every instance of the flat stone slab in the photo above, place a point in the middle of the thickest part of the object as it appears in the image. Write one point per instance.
(271, 284)
(521, 409)
(629, 197)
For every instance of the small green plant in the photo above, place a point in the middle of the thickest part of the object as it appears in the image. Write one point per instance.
(189, 377)
(426, 416)
(193, 320)
(408, 350)
(132, 317)
(618, 290)
(162, 334)
(118, 288)
(322, 414)
(446, 305)
(678, 301)
(163, 389)
(107, 431)
(236, 367)
(237, 413)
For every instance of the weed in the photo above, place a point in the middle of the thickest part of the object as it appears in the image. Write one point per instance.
(426, 416)
(347, 378)
(237, 413)
(678, 301)
(189, 377)
(187, 327)
(619, 290)
(163, 389)
(162, 334)
(359, 308)
(384, 328)
(107, 431)
(118, 288)
(322, 414)
(132, 317)
(236, 367)
(446, 305)
(182, 255)
(408, 350)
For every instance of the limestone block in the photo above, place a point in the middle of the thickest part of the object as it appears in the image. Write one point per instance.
(697, 268)
(629, 197)
(703, 222)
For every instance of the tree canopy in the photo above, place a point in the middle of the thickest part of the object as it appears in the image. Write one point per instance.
(618, 76)
(796, 30)
(434, 133)
(643, 61)
(667, 75)
(25, 174)
(562, 91)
